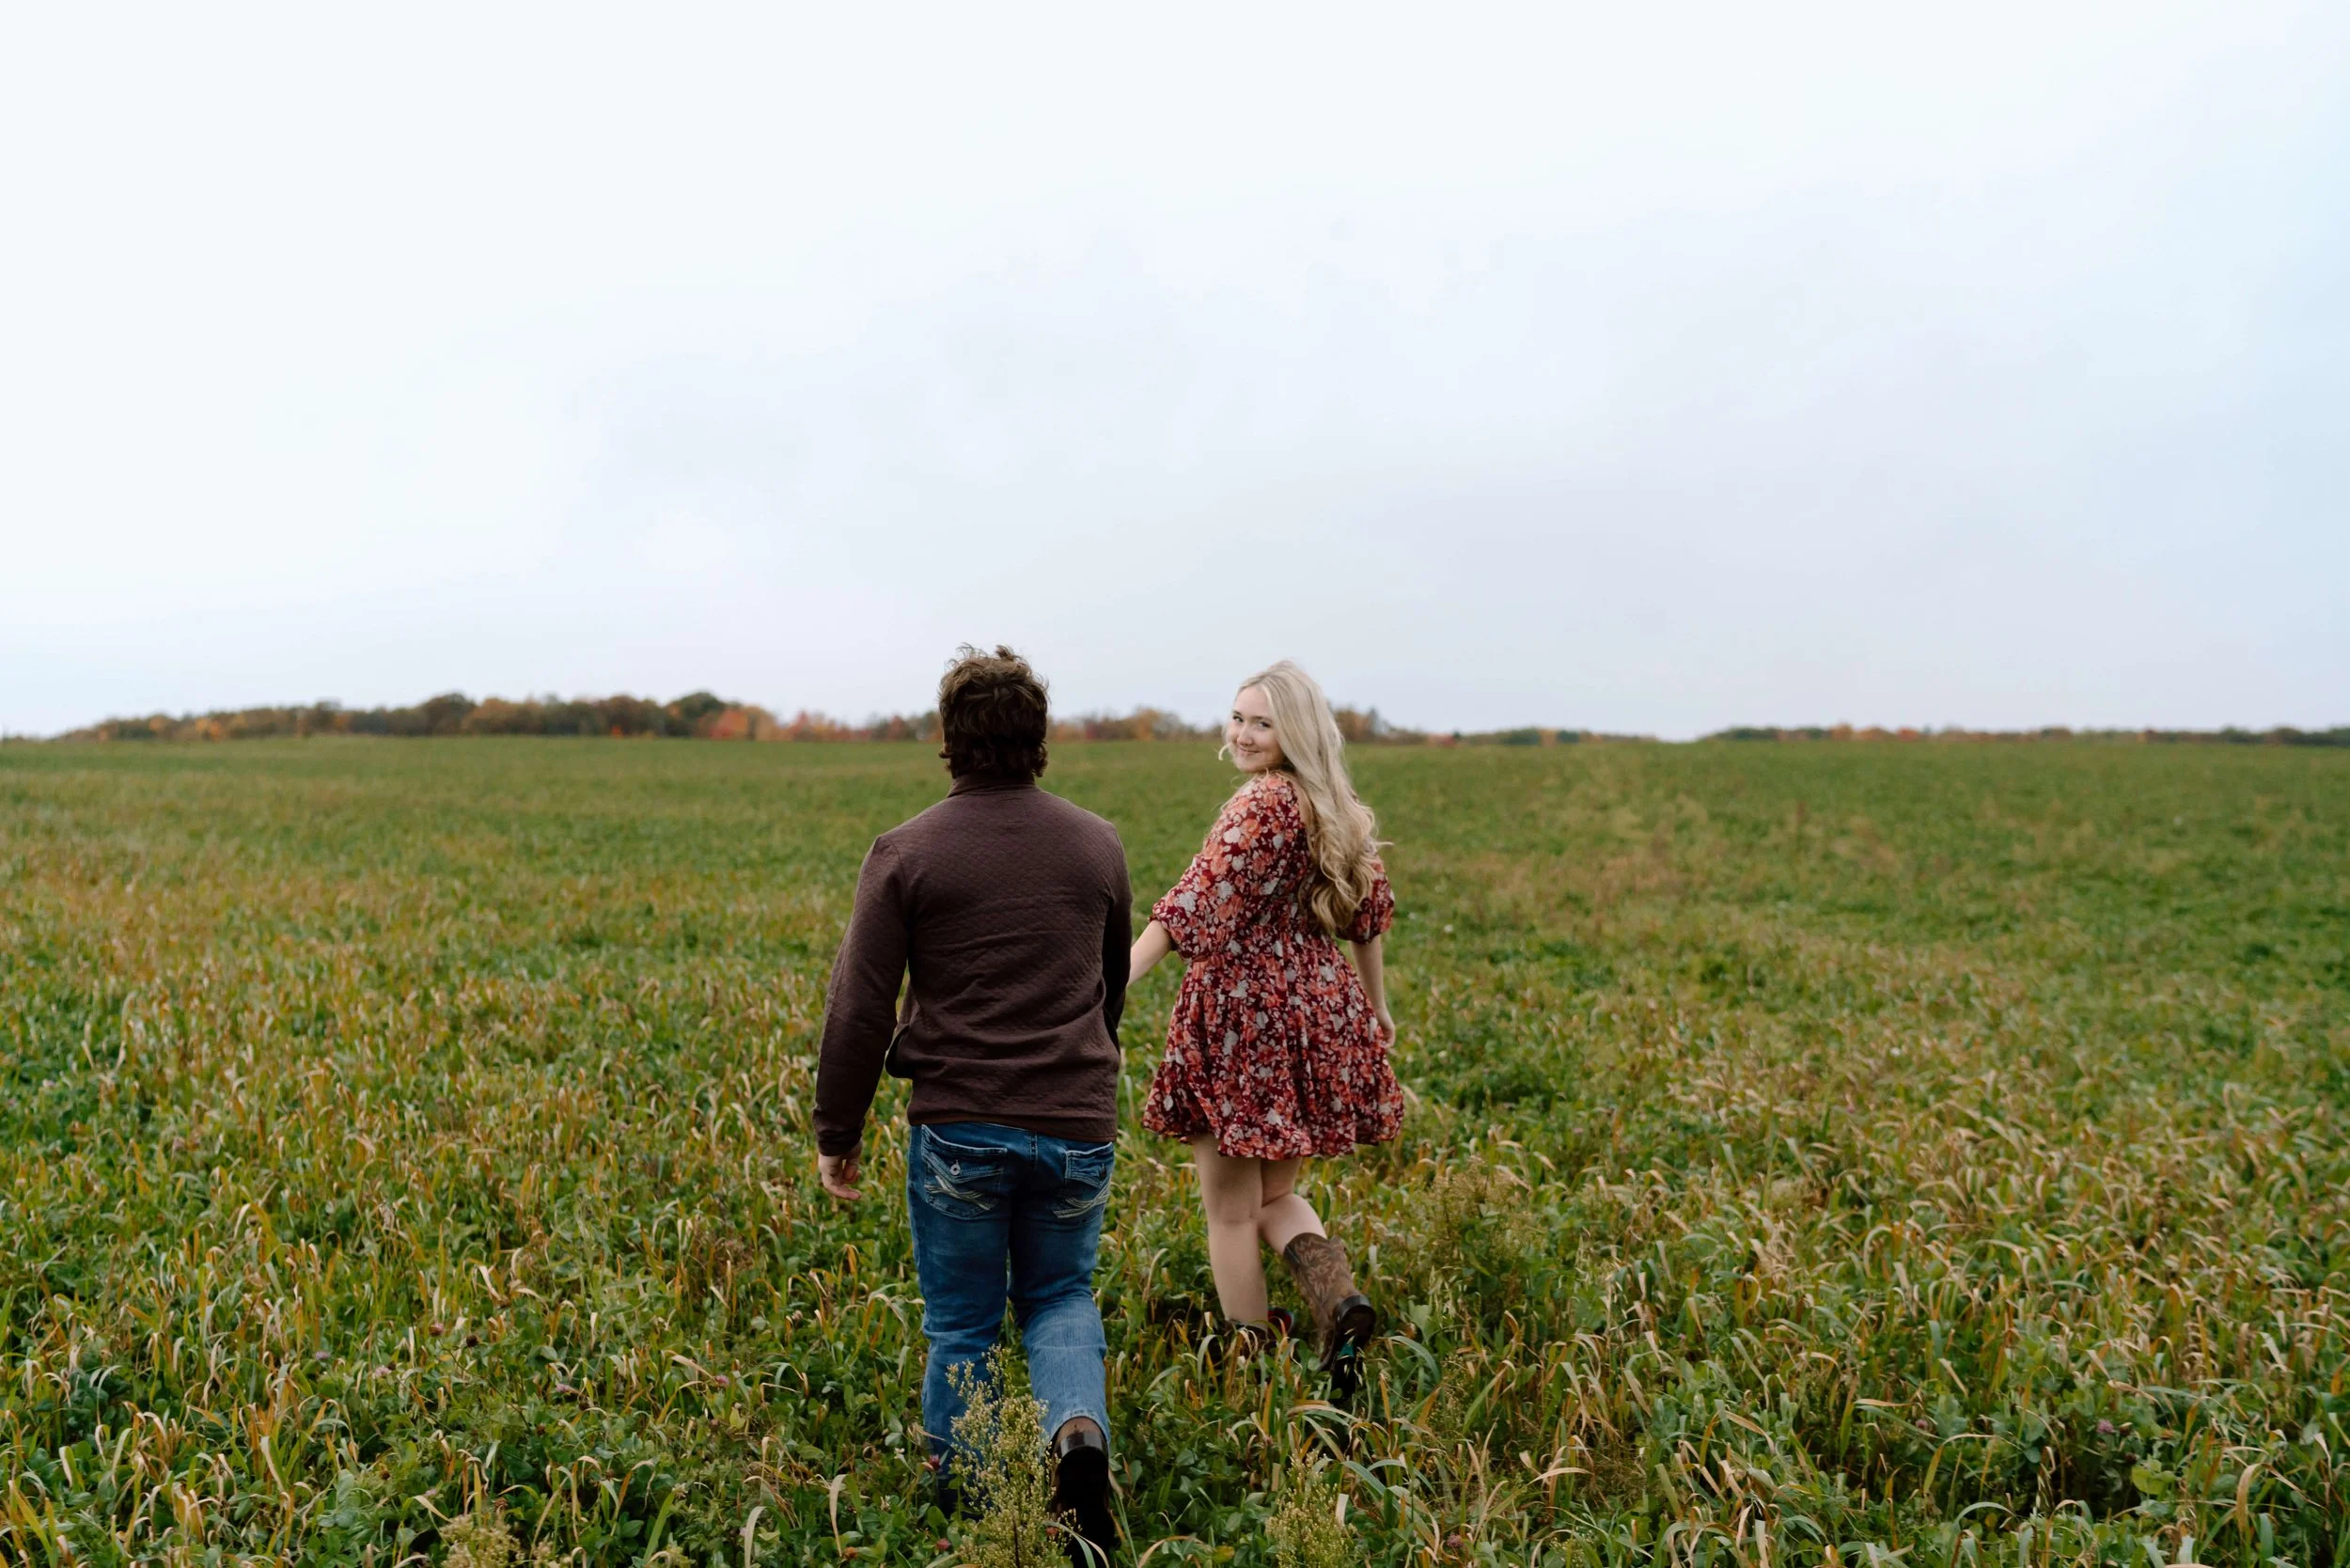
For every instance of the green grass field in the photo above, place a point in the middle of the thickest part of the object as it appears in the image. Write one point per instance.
(1848, 1154)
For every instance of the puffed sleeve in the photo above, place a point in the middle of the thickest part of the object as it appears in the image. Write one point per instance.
(1377, 911)
(1204, 907)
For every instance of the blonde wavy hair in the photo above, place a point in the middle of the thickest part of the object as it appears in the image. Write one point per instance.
(1341, 835)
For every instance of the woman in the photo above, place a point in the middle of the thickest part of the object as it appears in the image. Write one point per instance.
(1278, 1049)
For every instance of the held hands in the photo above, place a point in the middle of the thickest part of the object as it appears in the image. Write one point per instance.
(1152, 946)
(838, 1174)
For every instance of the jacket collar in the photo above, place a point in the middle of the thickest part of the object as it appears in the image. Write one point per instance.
(981, 783)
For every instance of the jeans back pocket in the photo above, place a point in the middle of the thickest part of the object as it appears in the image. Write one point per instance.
(1086, 1169)
(960, 1180)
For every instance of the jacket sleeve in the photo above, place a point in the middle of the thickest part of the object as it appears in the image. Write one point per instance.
(861, 1003)
(1117, 935)
(1203, 910)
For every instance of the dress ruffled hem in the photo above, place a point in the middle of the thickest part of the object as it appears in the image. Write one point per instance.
(1255, 1142)
(1271, 1099)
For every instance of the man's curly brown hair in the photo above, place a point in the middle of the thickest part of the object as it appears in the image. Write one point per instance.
(991, 713)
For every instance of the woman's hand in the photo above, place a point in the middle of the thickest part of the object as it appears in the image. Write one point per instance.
(1153, 945)
(1370, 963)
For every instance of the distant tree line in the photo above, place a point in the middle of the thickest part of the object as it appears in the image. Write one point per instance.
(2338, 735)
(1535, 735)
(706, 716)
(697, 716)
(449, 714)
(2284, 735)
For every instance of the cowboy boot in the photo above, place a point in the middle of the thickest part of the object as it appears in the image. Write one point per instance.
(1345, 1319)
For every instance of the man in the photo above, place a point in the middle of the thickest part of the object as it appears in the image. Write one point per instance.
(1008, 907)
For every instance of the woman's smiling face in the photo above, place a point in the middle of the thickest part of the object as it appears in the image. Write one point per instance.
(1256, 744)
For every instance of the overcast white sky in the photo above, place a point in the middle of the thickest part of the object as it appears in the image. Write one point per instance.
(1636, 367)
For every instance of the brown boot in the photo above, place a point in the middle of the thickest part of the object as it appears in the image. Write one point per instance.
(1345, 1319)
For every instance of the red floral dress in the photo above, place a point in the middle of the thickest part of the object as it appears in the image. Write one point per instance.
(1272, 1046)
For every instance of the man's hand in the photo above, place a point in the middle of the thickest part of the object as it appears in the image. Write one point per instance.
(838, 1173)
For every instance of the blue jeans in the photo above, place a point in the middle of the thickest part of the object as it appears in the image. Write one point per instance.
(1001, 1215)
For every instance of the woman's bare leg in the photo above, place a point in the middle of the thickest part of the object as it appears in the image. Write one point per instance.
(1232, 1193)
(1282, 1216)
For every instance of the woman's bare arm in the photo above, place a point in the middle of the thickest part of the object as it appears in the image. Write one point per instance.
(1152, 946)
(1370, 963)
